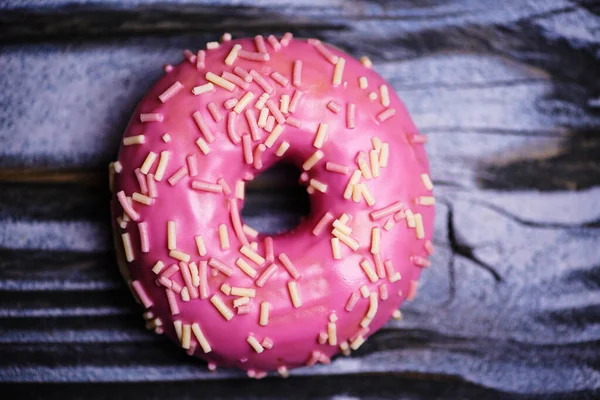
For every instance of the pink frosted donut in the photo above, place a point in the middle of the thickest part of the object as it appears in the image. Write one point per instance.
(238, 298)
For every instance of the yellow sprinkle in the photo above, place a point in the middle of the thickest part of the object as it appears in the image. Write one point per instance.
(294, 294)
(222, 82)
(186, 334)
(338, 72)
(363, 83)
(201, 338)
(320, 186)
(203, 146)
(332, 333)
(158, 267)
(207, 87)
(221, 307)
(179, 255)
(427, 181)
(148, 162)
(128, 248)
(244, 101)
(162, 165)
(243, 292)
(357, 342)
(375, 239)
(347, 240)
(410, 218)
(419, 228)
(240, 301)
(200, 245)
(264, 313)
(312, 160)
(335, 248)
(226, 289)
(255, 345)
(383, 157)
(131, 140)
(283, 147)
(321, 136)
(345, 229)
(233, 54)
(272, 138)
(385, 96)
(223, 237)
(140, 198)
(367, 195)
(364, 291)
(374, 158)
(245, 267)
(353, 181)
(171, 235)
(369, 271)
(424, 200)
(252, 255)
(366, 62)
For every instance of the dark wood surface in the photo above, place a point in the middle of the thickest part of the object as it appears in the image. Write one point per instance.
(509, 95)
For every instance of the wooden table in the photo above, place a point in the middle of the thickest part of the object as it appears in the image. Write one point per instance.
(508, 93)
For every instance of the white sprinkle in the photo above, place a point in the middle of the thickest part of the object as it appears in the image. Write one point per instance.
(170, 92)
(375, 239)
(179, 255)
(397, 315)
(374, 158)
(186, 335)
(410, 218)
(335, 248)
(364, 291)
(321, 135)
(201, 338)
(166, 138)
(243, 103)
(239, 189)
(297, 73)
(140, 198)
(200, 245)
(312, 160)
(372, 96)
(127, 247)
(229, 60)
(223, 237)
(222, 82)
(385, 95)
(419, 228)
(212, 45)
(245, 267)
(203, 146)
(151, 117)
(426, 200)
(171, 235)
(262, 117)
(148, 162)
(260, 103)
(158, 267)
(294, 294)
(284, 104)
(347, 240)
(338, 72)
(366, 62)
(427, 181)
(208, 87)
(221, 307)
(383, 157)
(178, 328)
(363, 83)
(355, 345)
(264, 313)
(252, 255)
(369, 271)
(272, 138)
(162, 165)
(255, 345)
(133, 140)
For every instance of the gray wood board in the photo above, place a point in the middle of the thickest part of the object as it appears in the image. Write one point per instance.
(509, 95)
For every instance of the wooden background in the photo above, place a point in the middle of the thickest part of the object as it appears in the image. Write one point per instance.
(509, 94)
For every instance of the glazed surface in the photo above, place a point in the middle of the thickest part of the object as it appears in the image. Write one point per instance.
(325, 284)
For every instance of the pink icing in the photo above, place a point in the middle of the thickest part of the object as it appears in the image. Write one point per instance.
(325, 284)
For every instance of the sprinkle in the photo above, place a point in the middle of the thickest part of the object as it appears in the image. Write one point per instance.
(266, 275)
(264, 313)
(363, 83)
(117, 166)
(243, 292)
(375, 239)
(223, 237)
(142, 294)
(420, 261)
(412, 290)
(312, 160)
(251, 119)
(428, 247)
(259, 41)
(252, 56)
(282, 370)
(342, 227)
(141, 181)
(364, 167)
(322, 338)
(152, 191)
(321, 135)
(335, 249)
(324, 222)
(344, 348)
(267, 343)
(410, 219)
(294, 294)
(201, 338)
(151, 117)
(207, 186)
(282, 80)
(177, 176)
(252, 255)
(419, 228)
(244, 101)
(200, 59)
(214, 112)
(366, 62)
(220, 266)
(368, 268)
(167, 273)
(427, 181)
(347, 240)
(262, 118)
(296, 100)
(172, 300)
(132, 140)
(283, 147)
(253, 233)
(203, 126)
(239, 190)
(260, 103)
(245, 267)
(372, 96)
(231, 132)
(194, 274)
(226, 37)
(340, 169)
(393, 276)
(168, 68)
(122, 223)
(212, 45)
(158, 267)
(258, 152)
(222, 82)
(353, 181)
(127, 207)
(144, 243)
(289, 266)
(242, 73)
(206, 88)
(178, 328)
(262, 82)
(241, 310)
(310, 190)
(166, 138)
(240, 301)
(373, 305)
(140, 198)
(187, 278)
(334, 107)
(357, 192)
(352, 300)
(387, 211)
(274, 42)
(234, 214)
(170, 92)
(162, 165)
(318, 185)
(221, 307)
(275, 111)
(364, 291)
(350, 115)
(171, 235)
(269, 251)
(356, 343)
(338, 71)
(385, 96)
(179, 255)
(322, 50)
(386, 114)
(272, 138)
(247, 149)
(175, 287)
(203, 283)
(185, 294)
(397, 315)
(229, 60)
(255, 345)
(367, 195)
(200, 245)
(425, 200)
(297, 73)
(374, 158)
(284, 105)
(379, 267)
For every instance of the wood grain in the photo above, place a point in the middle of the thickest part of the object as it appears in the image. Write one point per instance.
(508, 95)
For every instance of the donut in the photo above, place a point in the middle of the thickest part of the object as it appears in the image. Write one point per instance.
(239, 298)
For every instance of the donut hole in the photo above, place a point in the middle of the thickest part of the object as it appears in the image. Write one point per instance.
(275, 202)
